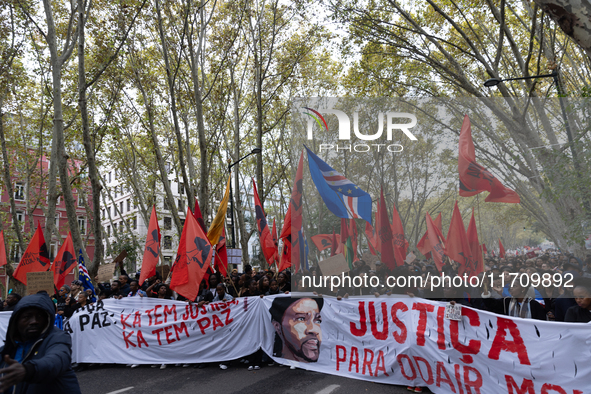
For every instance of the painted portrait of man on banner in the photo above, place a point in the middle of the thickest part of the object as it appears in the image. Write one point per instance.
(298, 334)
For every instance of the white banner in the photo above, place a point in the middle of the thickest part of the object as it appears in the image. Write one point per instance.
(143, 330)
(404, 341)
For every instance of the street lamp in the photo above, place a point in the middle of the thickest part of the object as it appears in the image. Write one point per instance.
(252, 152)
(554, 75)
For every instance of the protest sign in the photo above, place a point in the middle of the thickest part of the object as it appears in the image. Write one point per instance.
(106, 272)
(38, 281)
(335, 265)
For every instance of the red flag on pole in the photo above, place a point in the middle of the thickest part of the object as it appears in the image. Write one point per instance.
(3, 260)
(424, 246)
(474, 178)
(35, 258)
(193, 258)
(295, 204)
(400, 243)
(334, 242)
(501, 250)
(436, 238)
(199, 217)
(354, 238)
(457, 246)
(475, 248)
(371, 236)
(151, 249)
(483, 246)
(325, 241)
(267, 244)
(221, 255)
(385, 234)
(64, 263)
(286, 237)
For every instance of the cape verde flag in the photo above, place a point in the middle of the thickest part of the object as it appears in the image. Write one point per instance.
(341, 196)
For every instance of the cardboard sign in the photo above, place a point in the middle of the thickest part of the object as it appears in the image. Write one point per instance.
(105, 272)
(37, 281)
(121, 256)
(334, 265)
(370, 260)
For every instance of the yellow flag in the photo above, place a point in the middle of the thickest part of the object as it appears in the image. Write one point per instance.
(217, 226)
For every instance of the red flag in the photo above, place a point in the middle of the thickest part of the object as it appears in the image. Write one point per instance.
(475, 248)
(484, 248)
(324, 241)
(199, 217)
(35, 258)
(193, 258)
(371, 236)
(400, 243)
(285, 254)
(436, 238)
(501, 250)
(457, 245)
(385, 235)
(267, 244)
(221, 255)
(3, 260)
(152, 248)
(531, 255)
(424, 246)
(64, 263)
(474, 178)
(354, 238)
(295, 204)
(334, 241)
(343, 237)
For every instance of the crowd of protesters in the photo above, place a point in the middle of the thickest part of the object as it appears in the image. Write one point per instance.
(569, 302)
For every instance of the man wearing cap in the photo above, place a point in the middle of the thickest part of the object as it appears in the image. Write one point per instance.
(297, 324)
(36, 356)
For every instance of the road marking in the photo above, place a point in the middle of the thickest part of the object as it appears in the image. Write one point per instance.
(328, 389)
(123, 390)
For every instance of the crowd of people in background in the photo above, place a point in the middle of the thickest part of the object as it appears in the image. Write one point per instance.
(568, 302)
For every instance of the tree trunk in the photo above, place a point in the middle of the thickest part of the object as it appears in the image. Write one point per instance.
(89, 149)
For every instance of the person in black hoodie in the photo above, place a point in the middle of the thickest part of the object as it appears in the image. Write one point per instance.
(36, 356)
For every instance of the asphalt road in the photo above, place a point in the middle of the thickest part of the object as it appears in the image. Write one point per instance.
(111, 379)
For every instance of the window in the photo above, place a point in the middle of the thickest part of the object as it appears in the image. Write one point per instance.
(19, 191)
(128, 204)
(109, 176)
(167, 242)
(103, 214)
(167, 260)
(181, 205)
(115, 174)
(108, 230)
(20, 216)
(182, 222)
(181, 188)
(114, 228)
(15, 253)
(134, 222)
(82, 225)
(116, 191)
(52, 249)
(167, 223)
(121, 208)
(81, 198)
(166, 207)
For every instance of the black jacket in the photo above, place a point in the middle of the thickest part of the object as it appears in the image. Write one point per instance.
(501, 306)
(48, 363)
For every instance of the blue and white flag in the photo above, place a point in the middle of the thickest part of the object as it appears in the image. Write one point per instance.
(341, 196)
(83, 275)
